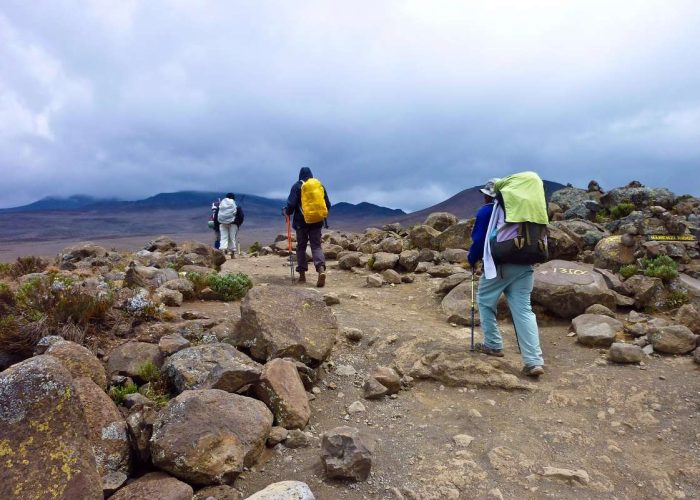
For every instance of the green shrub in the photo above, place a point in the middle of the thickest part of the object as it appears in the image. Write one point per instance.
(628, 270)
(149, 372)
(663, 267)
(255, 247)
(5, 268)
(156, 392)
(370, 262)
(677, 298)
(199, 281)
(602, 216)
(230, 286)
(118, 393)
(622, 210)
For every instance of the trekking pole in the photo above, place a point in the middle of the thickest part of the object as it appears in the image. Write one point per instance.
(289, 245)
(517, 340)
(471, 348)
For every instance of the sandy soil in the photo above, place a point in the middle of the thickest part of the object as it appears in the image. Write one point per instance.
(634, 430)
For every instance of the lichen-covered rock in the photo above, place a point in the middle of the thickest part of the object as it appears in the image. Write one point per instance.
(79, 361)
(168, 297)
(421, 236)
(382, 261)
(211, 366)
(567, 197)
(611, 253)
(688, 316)
(641, 197)
(441, 220)
(566, 289)
(458, 235)
(284, 490)
(44, 440)
(647, 290)
(278, 322)
(128, 359)
(673, 339)
(596, 330)
(392, 244)
(408, 260)
(346, 453)
(69, 256)
(155, 485)
(208, 436)
(107, 430)
(283, 392)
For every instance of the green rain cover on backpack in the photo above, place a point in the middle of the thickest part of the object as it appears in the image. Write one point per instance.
(523, 238)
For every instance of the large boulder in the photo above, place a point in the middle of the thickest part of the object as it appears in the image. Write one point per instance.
(596, 330)
(44, 441)
(392, 244)
(562, 243)
(647, 291)
(128, 359)
(69, 256)
(421, 236)
(278, 322)
(346, 454)
(688, 316)
(611, 253)
(155, 485)
(441, 220)
(282, 390)
(108, 433)
(284, 490)
(456, 236)
(567, 197)
(641, 197)
(408, 260)
(211, 366)
(148, 277)
(161, 244)
(79, 361)
(672, 339)
(566, 289)
(208, 436)
(348, 260)
(456, 304)
(381, 261)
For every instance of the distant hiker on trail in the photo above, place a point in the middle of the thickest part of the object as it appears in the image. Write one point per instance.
(509, 235)
(227, 228)
(308, 204)
(214, 222)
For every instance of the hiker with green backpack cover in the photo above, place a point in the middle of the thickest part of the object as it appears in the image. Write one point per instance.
(510, 236)
(308, 204)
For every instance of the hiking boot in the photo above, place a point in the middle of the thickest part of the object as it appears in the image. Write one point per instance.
(321, 277)
(302, 277)
(533, 371)
(483, 348)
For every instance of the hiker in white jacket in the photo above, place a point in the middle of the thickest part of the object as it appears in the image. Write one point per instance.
(227, 214)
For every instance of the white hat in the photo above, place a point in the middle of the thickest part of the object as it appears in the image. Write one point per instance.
(488, 188)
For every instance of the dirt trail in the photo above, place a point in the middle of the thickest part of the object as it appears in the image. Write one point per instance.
(634, 430)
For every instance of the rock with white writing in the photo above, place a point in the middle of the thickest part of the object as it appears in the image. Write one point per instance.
(566, 289)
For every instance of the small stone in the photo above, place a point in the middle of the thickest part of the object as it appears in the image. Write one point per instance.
(353, 334)
(373, 389)
(579, 475)
(331, 299)
(625, 353)
(375, 281)
(298, 439)
(316, 390)
(648, 349)
(462, 440)
(277, 435)
(356, 407)
(474, 413)
(345, 370)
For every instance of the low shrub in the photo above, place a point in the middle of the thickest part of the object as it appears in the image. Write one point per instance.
(27, 265)
(628, 270)
(230, 286)
(19, 336)
(602, 216)
(663, 267)
(255, 247)
(118, 393)
(621, 210)
(149, 372)
(5, 268)
(677, 298)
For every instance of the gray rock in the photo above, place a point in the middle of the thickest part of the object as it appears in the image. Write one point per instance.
(211, 366)
(688, 316)
(298, 439)
(331, 298)
(279, 321)
(625, 353)
(372, 389)
(346, 454)
(595, 330)
(375, 281)
(388, 378)
(168, 297)
(155, 485)
(172, 343)
(441, 220)
(674, 339)
(391, 277)
(641, 197)
(611, 253)
(281, 389)
(455, 236)
(455, 255)
(696, 355)
(408, 260)
(456, 304)
(447, 284)
(349, 260)
(277, 435)
(421, 236)
(568, 197)
(599, 309)
(353, 334)
(383, 261)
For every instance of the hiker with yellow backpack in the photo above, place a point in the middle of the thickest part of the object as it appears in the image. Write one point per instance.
(308, 204)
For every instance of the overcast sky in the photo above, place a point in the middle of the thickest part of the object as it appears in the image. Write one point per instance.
(402, 103)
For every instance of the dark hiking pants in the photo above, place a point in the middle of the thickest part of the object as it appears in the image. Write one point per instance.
(309, 234)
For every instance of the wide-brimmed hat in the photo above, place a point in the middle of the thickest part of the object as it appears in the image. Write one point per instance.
(488, 188)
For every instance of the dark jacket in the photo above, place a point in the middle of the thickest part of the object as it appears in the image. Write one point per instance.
(481, 226)
(294, 201)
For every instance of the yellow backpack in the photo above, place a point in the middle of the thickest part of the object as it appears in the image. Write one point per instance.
(313, 201)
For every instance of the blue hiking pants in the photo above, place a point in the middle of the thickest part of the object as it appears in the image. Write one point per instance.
(516, 282)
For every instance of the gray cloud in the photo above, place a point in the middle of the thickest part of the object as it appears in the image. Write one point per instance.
(401, 103)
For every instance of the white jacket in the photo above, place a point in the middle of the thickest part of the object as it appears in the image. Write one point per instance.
(227, 211)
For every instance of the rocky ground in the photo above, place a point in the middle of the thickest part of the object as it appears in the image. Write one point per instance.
(173, 372)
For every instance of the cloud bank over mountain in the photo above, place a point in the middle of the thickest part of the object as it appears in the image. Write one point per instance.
(399, 103)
